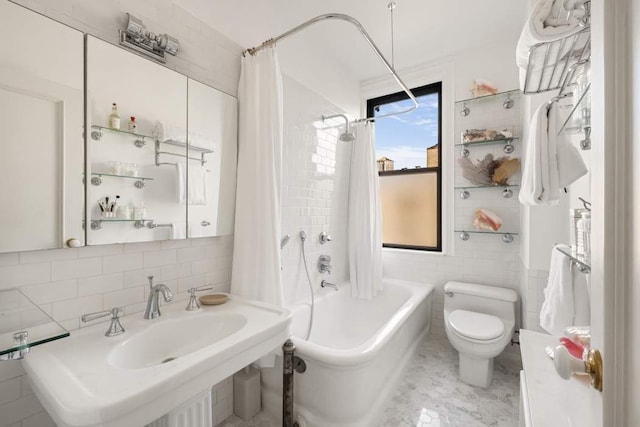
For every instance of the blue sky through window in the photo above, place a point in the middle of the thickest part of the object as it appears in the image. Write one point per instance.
(405, 138)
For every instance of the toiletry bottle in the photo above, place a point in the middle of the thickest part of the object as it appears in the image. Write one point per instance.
(140, 212)
(133, 126)
(114, 118)
(584, 236)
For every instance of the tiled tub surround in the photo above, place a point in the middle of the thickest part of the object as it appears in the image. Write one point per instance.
(67, 283)
(315, 190)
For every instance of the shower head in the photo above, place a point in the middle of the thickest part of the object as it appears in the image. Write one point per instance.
(346, 136)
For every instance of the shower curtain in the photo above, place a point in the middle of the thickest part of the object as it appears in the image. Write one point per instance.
(365, 214)
(256, 270)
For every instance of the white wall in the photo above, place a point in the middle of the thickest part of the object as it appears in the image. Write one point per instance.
(69, 282)
(482, 259)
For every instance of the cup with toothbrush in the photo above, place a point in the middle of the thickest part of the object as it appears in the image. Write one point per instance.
(108, 207)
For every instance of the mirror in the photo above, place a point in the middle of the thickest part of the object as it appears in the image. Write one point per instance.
(133, 193)
(169, 170)
(41, 117)
(212, 137)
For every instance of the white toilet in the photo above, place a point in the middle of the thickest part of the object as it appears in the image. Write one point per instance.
(479, 321)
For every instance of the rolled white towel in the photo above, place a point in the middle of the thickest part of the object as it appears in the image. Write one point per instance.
(548, 22)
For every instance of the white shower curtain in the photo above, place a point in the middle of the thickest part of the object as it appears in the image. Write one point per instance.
(256, 270)
(365, 228)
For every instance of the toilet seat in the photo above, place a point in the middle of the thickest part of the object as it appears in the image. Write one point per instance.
(477, 326)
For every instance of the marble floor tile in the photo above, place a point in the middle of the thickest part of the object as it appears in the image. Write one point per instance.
(431, 395)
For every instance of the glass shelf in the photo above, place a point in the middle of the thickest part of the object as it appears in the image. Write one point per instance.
(488, 142)
(100, 129)
(513, 93)
(507, 236)
(96, 224)
(143, 178)
(139, 182)
(462, 187)
(584, 264)
(19, 315)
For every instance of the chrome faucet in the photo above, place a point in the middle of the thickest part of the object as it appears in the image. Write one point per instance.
(326, 284)
(153, 308)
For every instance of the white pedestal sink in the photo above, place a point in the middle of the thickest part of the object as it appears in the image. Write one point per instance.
(155, 366)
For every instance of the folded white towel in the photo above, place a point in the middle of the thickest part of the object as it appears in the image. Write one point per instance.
(540, 172)
(548, 22)
(163, 132)
(197, 184)
(558, 310)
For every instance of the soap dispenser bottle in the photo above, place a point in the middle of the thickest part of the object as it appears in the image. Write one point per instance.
(114, 117)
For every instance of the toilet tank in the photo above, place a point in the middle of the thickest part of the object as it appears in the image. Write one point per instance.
(500, 302)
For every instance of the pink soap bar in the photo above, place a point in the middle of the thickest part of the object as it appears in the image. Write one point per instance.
(574, 348)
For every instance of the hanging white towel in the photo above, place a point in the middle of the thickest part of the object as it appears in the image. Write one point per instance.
(178, 230)
(581, 298)
(548, 21)
(540, 172)
(197, 184)
(558, 310)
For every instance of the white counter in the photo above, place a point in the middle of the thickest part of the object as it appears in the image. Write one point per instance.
(548, 399)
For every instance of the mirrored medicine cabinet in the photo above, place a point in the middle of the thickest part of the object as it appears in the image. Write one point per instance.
(167, 170)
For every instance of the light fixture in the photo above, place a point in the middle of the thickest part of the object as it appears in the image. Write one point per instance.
(136, 37)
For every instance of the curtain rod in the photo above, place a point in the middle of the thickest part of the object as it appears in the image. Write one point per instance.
(355, 23)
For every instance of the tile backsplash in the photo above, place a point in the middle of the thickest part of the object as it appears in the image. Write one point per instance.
(67, 283)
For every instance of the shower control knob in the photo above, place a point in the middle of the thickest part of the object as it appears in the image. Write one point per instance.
(324, 238)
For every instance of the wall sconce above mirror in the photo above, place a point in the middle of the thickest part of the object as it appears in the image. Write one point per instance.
(136, 37)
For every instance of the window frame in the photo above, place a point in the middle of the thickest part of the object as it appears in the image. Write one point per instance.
(429, 89)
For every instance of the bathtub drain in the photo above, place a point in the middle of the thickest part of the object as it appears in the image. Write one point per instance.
(168, 359)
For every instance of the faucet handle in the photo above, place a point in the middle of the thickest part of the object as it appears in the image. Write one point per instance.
(115, 328)
(193, 303)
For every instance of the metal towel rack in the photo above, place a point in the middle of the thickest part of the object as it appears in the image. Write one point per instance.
(171, 142)
(581, 263)
(560, 59)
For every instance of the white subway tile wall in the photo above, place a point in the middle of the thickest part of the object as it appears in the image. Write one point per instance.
(315, 190)
(69, 282)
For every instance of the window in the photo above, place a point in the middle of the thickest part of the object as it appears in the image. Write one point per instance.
(410, 168)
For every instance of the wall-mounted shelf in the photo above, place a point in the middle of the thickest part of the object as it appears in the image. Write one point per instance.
(507, 100)
(140, 181)
(140, 139)
(508, 145)
(24, 325)
(507, 237)
(96, 224)
(506, 189)
(584, 264)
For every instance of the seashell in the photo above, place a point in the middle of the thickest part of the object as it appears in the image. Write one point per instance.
(506, 170)
(482, 87)
(487, 220)
(480, 173)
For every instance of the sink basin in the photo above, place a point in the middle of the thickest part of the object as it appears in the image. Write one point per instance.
(155, 366)
(165, 342)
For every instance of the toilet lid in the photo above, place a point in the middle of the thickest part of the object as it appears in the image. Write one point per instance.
(478, 326)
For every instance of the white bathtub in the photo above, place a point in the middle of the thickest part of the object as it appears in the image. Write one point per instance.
(356, 352)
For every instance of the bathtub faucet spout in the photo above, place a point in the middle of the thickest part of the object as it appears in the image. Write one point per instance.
(326, 284)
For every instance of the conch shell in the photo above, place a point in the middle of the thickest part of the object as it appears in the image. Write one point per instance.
(505, 171)
(487, 220)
